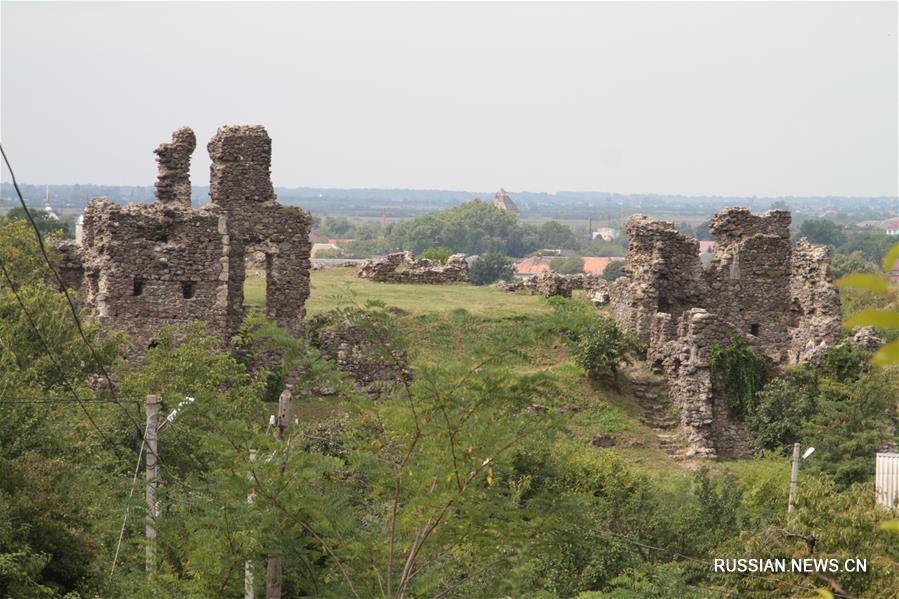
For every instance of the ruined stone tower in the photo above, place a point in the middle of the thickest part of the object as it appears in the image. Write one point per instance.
(144, 266)
(777, 296)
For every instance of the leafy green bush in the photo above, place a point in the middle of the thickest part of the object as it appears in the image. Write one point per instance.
(489, 268)
(596, 341)
(739, 372)
(440, 254)
(853, 421)
(843, 363)
(613, 270)
(782, 409)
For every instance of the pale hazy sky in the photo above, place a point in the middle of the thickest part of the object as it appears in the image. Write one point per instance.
(691, 98)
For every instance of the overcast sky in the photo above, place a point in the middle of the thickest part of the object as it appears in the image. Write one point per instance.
(689, 98)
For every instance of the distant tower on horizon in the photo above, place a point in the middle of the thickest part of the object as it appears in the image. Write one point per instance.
(502, 201)
(384, 218)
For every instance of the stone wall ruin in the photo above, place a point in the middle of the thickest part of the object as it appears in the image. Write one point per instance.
(402, 267)
(144, 266)
(776, 295)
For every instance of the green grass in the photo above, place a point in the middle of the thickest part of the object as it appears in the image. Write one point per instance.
(334, 286)
(444, 323)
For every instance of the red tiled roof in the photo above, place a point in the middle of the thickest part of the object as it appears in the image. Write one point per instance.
(537, 264)
(597, 265)
(533, 265)
(706, 246)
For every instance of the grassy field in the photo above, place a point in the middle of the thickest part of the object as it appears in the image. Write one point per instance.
(336, 286)
(443, 323)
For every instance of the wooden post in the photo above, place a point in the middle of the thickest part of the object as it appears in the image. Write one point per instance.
(152, 435)
(273, 567)
(248, 591)
(794, 477)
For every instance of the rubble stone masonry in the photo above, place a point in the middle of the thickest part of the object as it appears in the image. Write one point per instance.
(144, 266)
(402, 267)
(777, 296)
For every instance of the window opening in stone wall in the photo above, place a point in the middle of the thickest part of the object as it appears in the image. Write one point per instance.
(754, 329)
(138, 286)
(187, 289)
(256, 280)
(664, 305)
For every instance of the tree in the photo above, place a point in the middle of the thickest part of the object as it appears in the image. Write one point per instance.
(824, 232)
(843, 264)
(45, 223)
(489, 268)
(852, 422)
(474, 227)
(567, 265)
(613, 270)
(702, 231)
(555, 235)
(877, 284)
(782, 409)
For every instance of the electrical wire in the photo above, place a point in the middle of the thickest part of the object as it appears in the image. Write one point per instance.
(58, 366)
(65, 291)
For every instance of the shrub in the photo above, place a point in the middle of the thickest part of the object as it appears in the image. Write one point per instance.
(782, 408)
(489, 268)
(842, 363)
(739, 372)
(613, 270)
(440, 254)
(596, 341)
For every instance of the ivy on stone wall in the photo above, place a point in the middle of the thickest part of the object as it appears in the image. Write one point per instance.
(738, 373)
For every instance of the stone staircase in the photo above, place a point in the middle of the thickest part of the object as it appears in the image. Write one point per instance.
(657, 413)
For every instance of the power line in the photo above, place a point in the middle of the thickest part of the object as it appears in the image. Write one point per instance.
(27, 400)
(58, 366)
(62, 286)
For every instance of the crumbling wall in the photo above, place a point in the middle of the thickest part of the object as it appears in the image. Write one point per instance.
(402, 267)
(749, 278)
(373, 369)
(663, 273)
(149, 265)
(681, 352)
(551, 283)
(776, 296)
(70, 264)
(240, 184)
(173, 181)
(815, 311)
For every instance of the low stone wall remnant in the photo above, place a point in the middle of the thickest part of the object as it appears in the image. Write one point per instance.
(402, 267)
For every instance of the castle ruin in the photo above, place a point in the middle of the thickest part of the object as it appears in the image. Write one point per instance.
(144, 266)
(776, 295)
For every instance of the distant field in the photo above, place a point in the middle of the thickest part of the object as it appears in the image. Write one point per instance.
(335, 286)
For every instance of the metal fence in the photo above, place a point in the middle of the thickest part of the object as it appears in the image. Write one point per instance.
(886, 479)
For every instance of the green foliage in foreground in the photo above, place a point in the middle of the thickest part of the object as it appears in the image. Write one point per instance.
(451, 486)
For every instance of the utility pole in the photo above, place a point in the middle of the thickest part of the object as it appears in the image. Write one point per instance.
(794, 477)
(152, 436)
(248, 592)
(273, 569)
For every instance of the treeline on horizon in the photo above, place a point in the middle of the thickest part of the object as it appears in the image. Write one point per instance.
(406, 203)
